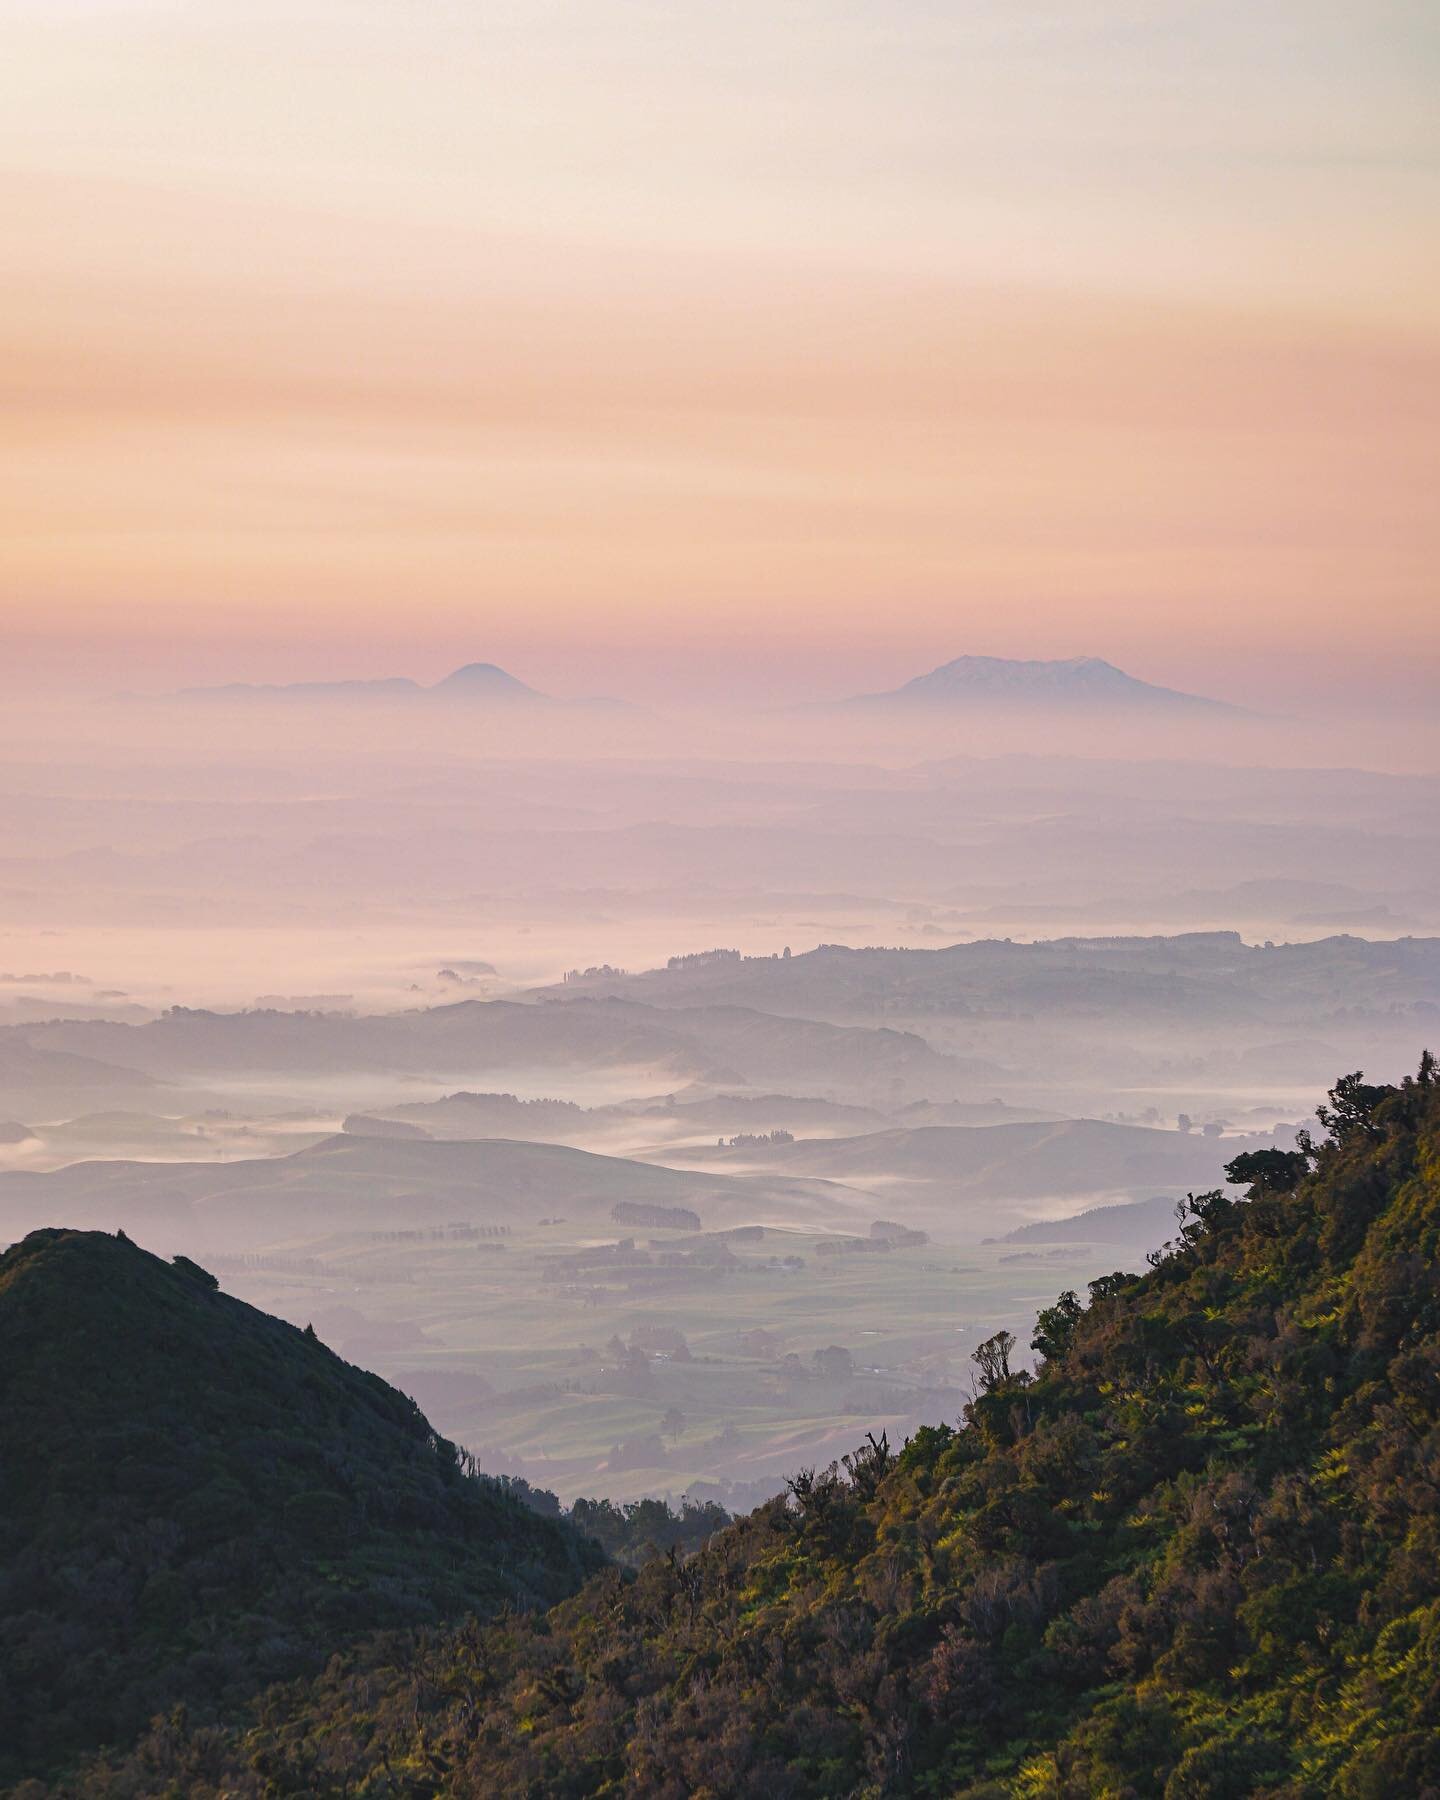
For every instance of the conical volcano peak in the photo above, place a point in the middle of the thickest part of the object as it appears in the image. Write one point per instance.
(483, 678)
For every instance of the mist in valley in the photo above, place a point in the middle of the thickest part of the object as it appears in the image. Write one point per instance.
(666, 1098)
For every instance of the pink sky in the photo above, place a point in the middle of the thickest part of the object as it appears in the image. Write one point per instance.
(786, 359)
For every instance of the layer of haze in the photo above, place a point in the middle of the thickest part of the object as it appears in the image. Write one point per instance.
(760, 352)
(719, 361)
(282, 988)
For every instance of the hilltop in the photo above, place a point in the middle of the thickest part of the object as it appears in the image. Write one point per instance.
(1193, 1555)
(197, 1500)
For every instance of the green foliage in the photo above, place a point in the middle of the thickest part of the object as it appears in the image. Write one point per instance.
(1055, 1327)
(1197, 1555)
(642, 1529)
(197, 1500)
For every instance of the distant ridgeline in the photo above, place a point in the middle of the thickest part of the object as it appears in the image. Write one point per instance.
(1197, 1553)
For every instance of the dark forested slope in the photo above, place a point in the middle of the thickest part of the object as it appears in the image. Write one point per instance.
(1198, 1554)
(197, 1500)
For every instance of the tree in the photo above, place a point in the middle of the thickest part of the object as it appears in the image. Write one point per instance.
(1350, 1113)
(834, 1363)
(1268, 1171)
(1055, 1327)
(992, 1358)
(673, 1424)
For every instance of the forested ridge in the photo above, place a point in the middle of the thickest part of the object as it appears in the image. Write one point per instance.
(198, 1500)
(1197, 1553)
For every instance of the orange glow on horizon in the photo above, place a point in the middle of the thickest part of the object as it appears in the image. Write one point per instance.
(357, 397)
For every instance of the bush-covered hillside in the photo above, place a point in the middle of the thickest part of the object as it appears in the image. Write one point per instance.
(1197, 1555)
(197, 1500)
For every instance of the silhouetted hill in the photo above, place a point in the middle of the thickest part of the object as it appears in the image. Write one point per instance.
(197, 1499)
(1196, 1556)
(1084, 682)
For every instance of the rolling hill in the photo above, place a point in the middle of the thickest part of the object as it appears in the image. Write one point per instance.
(947, 1171)
(723, 1045)
(1139, 1226)
(471, 1115)
(1209, 977)
(355, 1183)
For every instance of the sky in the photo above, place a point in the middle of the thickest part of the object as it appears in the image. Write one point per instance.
(746, 350)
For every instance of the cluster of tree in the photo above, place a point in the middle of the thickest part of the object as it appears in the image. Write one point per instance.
(638, 1531)
(853, 1246)
(746, 1138)
(647, 1212)
(900, 1237)
(1195, 1553)
(506, 1102)
(1212, 1128)
(594, 972)
(641, 1530)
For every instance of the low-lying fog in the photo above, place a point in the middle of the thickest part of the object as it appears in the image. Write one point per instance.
(536, 1056)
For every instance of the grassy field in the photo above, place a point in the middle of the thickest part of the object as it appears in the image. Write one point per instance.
(577, 1343)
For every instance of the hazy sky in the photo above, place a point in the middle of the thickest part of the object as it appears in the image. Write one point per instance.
(799, 345)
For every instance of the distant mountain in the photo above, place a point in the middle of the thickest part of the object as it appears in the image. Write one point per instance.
(483, 681)
(397, 687)
(475, 682)
(197, 1500)
(1085, 682)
